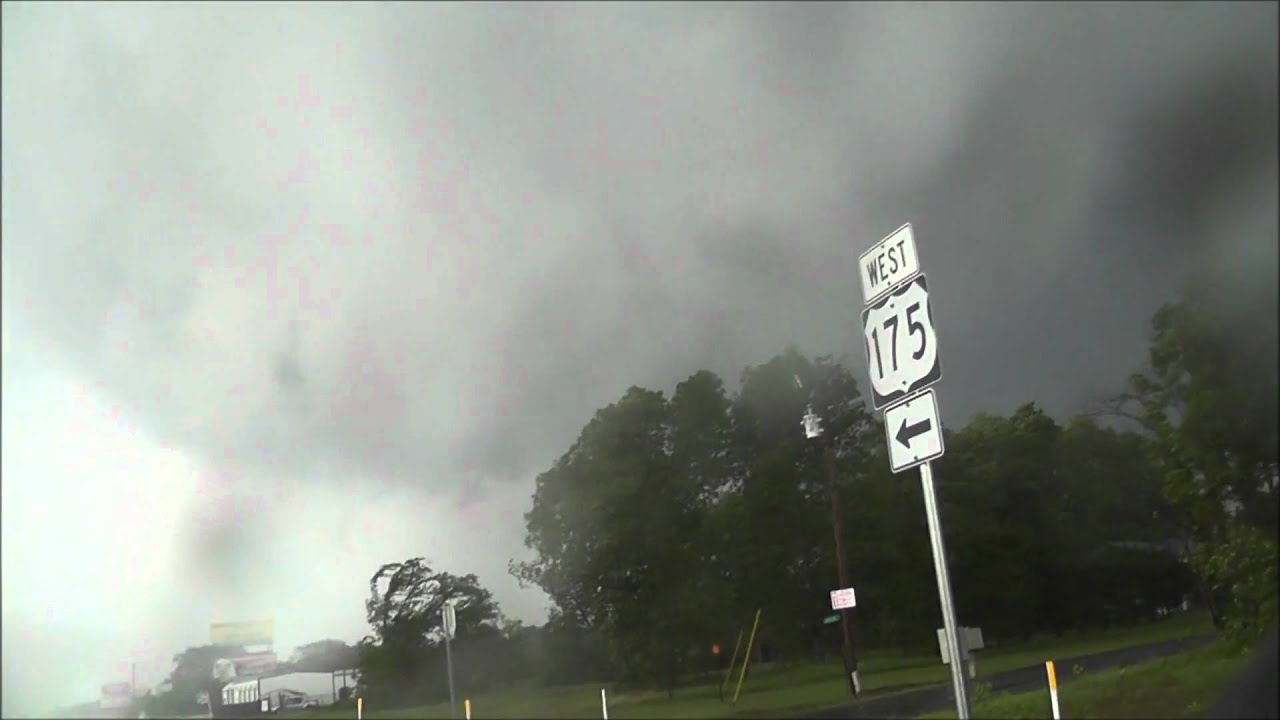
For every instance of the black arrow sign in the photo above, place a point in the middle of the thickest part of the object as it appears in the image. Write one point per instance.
(907, 433)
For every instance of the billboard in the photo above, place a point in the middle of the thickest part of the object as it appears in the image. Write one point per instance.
(255, 664)
(254, 632)
(115, 695)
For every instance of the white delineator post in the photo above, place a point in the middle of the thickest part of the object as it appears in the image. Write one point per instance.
(1053, 689)
(466, 704)
(359, 708)
(604, 705)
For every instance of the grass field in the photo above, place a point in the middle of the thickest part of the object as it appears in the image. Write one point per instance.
(772, 690)
(1180, 686)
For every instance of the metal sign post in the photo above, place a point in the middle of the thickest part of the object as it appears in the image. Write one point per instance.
(450, 625)
(958, 680)
(903, 362)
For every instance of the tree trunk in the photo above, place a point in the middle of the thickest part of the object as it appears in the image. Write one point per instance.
(1207, 596)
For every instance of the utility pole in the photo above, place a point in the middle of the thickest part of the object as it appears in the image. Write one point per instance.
(813, 429)
(842, 570)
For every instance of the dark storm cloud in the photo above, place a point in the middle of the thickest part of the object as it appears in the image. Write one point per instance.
(1085, 183)
(628, 194)
(1192, 149)
(1099, 170)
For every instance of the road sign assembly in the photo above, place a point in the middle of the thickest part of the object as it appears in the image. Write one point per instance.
(903, 361)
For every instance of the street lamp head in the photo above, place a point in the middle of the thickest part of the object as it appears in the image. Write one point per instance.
(812, 424)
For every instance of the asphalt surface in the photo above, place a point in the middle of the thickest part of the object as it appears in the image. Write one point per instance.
(913, 703)
(1253, 693)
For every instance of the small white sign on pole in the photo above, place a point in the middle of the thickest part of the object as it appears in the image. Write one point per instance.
(841, 599)
(944, 648)
(973, 639)
(970, 640)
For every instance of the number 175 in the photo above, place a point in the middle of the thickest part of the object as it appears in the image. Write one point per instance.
(914, 327)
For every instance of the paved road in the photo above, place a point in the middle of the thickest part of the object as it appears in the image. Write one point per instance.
(1253, 693)
(914, 703)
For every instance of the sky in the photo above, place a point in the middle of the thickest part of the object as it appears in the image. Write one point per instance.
(294, 290)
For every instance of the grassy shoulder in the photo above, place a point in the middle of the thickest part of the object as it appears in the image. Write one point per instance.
(1179, 686)
(1045, 647)
(771, 690)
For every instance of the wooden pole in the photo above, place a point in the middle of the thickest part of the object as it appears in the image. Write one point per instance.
(746, 659)
(728, 674)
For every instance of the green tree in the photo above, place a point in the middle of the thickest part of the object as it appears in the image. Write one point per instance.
(192, 674)
(705, 464)
(1110, 518)
(324, 656)
(570, 653)
(404, 610)
(1109, 486)
(890, 552)
(781, 533)
(1242, 569)
(614, 528)
(669, 522)
(1208, 400)
(993, 484)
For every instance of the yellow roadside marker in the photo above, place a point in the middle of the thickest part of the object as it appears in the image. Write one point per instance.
(1053, 688)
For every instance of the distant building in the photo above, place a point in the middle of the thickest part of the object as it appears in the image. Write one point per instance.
(1174, 547)
(83, 710)
(260, 695)
(115, 696)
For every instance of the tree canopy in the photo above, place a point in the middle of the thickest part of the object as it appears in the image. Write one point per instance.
(672, 518)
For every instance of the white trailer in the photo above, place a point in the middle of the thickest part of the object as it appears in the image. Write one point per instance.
(243, 692)
(289, 690)
(316, 687)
